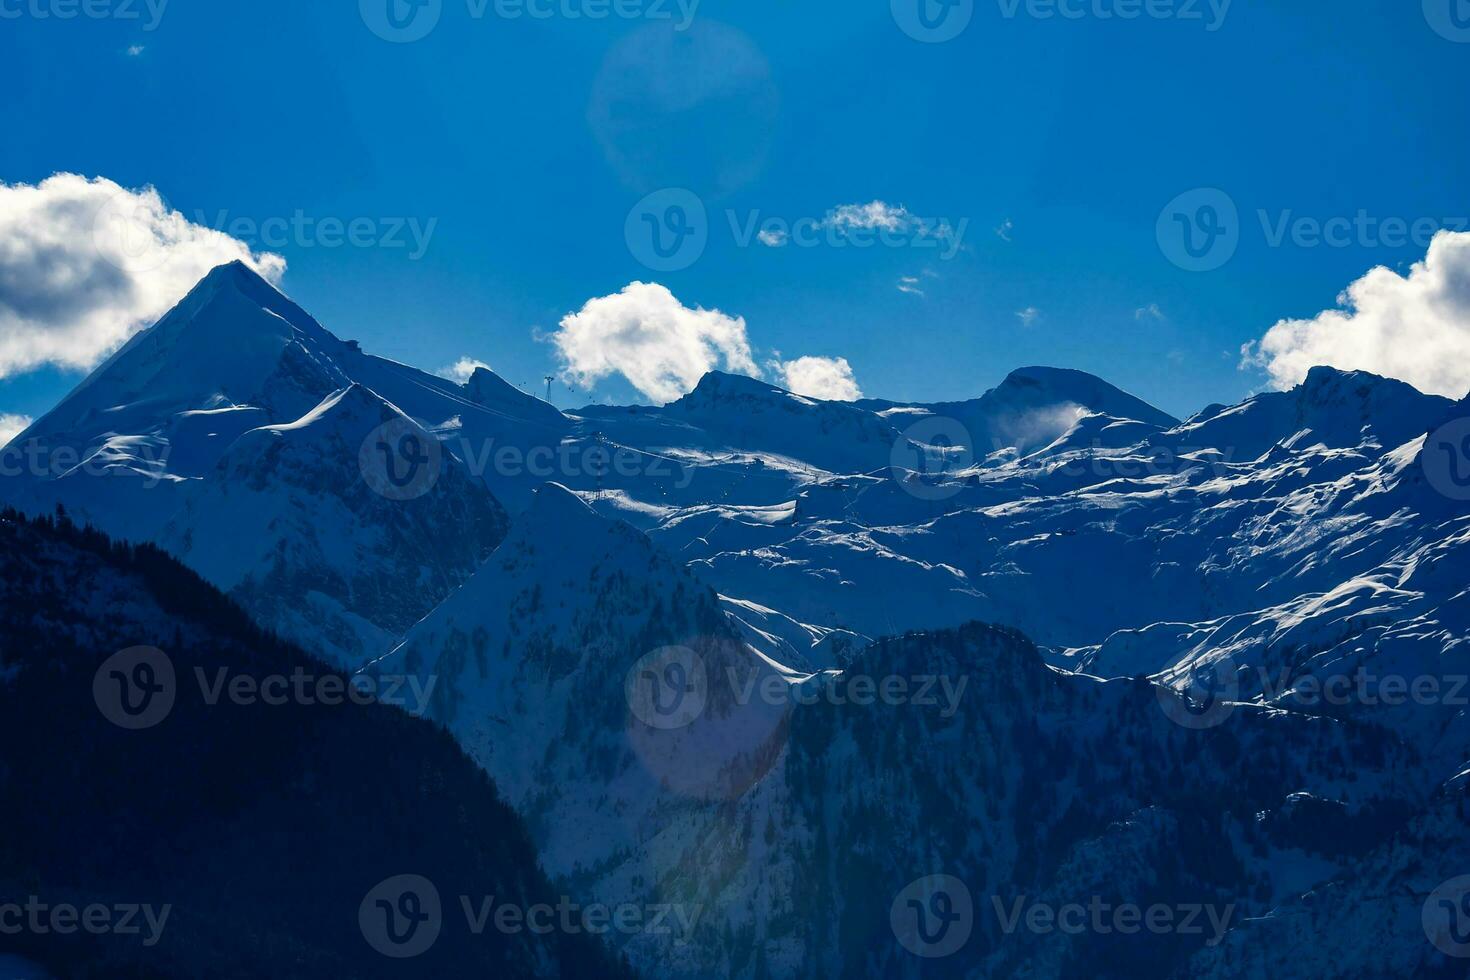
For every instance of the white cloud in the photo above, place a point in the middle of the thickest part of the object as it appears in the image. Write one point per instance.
(1005, 229)
(772, 237)
(827, 378)
(1149, 312)
(134, 50)
(910, 285)
(85, 264)
(879, 216)
(461, 369)
(1029, 316)
(1415, 328)
(645, 334)
(12, 426)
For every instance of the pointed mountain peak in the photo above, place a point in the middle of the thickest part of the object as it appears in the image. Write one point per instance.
(719, 386)
(355, 405)
(554, 508)
(1039, 386)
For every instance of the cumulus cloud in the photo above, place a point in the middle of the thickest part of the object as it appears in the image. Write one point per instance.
(1415, 328)
(12, 426)
(645, 334)
(85, 264)
(827, 378)
(461, 369)
(772, 237)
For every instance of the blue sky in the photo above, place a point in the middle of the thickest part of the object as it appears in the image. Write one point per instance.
(1054, 143)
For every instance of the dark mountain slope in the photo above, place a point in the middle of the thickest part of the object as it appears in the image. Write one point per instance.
(264, 827)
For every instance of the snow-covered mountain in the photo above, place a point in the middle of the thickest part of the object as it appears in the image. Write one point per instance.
(767, 799)
(233, 432)
(287, 524)
(746, 539)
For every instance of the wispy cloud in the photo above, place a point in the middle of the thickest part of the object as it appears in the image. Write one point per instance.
(12, 426)
(1004, 231)
(461, 369)
(772, 237)
(1149, 312)
(881, 216)
(910, 285)
(134, 50)
(1028, 316)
